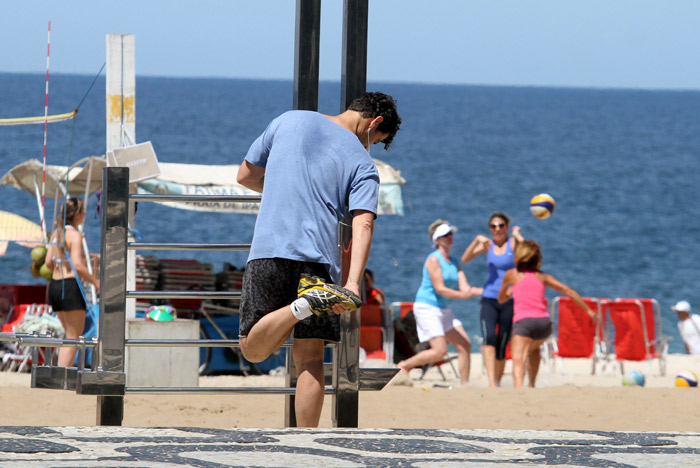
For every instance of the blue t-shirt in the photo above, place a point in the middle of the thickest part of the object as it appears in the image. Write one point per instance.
(426, 292)
(497, 265)
(315, 172)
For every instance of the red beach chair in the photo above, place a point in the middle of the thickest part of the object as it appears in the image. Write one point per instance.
(377, 332)
(577, 335)
(638, 335)
(20, 359)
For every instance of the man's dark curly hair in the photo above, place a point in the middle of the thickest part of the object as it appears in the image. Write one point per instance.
(375, 104)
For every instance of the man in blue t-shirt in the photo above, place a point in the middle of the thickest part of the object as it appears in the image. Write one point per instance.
(311, 169)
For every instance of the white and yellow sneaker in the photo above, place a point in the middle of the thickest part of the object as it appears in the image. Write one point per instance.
(321, 296)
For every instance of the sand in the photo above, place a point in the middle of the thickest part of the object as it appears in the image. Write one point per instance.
(567, 397)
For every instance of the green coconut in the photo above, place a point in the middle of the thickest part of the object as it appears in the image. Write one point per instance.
(45, 272)
(39, 254)
(35, 269)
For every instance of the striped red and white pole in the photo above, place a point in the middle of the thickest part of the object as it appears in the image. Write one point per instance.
(46, 127)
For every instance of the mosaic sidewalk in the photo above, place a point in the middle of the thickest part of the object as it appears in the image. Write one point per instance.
(28, 447)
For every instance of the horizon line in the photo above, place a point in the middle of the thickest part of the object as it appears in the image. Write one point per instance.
(380, 81)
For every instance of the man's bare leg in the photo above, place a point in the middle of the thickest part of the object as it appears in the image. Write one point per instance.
(268, 334)
(308, 358)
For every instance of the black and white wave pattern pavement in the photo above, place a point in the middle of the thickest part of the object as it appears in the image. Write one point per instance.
(29, 447)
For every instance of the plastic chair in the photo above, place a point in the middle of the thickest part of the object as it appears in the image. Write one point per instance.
(28, 318)
(377, 332)
(638, 335)
(403, 309)
(577, 335)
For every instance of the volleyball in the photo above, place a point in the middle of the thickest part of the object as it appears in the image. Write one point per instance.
(633, 379)
(686, 379)
(542, 206)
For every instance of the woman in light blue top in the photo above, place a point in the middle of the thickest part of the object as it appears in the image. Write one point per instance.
(443, 279)
(496, 319)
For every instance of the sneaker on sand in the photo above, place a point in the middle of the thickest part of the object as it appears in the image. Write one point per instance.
(322, 296)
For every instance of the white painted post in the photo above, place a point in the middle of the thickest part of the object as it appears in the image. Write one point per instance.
(121, 124)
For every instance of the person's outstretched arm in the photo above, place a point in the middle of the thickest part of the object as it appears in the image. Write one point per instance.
(516, 235)
(479, 245)
(464, 285)
(432, 264)
(560, 287)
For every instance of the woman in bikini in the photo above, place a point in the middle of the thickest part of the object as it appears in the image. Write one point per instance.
(65, 296)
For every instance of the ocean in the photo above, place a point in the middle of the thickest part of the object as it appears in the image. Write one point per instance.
(622, 165)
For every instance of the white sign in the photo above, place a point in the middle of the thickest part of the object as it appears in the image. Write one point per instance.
(140, 159)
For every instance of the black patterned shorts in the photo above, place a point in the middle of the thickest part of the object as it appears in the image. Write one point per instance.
(270, 284)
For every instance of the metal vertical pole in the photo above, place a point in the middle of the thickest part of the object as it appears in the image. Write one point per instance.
(354, 79)
(346, 356)
(347, 353)
(306, 54)
(115, 199)
(306, 59)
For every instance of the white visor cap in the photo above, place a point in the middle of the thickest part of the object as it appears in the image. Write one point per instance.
(443, 230)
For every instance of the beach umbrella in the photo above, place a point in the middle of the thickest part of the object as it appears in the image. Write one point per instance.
(82, 175)
(15, 228)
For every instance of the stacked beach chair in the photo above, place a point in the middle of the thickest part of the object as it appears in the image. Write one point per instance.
(633, 323)
(147, 272)
(186, 275)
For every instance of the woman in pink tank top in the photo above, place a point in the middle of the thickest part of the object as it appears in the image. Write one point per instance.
(532, 324)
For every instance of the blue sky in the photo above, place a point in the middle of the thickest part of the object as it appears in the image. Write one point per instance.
(585, 43)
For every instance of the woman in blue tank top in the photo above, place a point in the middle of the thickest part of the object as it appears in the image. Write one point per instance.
(496, 319)
(442, 279)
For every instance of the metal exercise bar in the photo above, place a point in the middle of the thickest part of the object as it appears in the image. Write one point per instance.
(49, 342)
(218, 390)
(196, 198)
(186, 246)
(183, 294)
(164, 343)
(347, 377)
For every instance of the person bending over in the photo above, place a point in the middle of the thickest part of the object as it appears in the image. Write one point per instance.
(312, 169)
